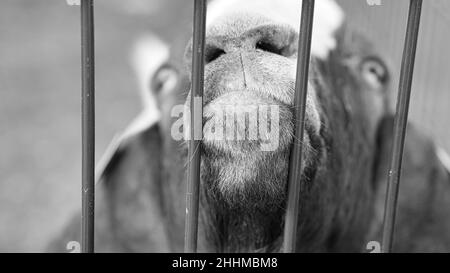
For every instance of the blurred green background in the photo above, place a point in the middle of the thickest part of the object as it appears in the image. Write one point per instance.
(40, 159)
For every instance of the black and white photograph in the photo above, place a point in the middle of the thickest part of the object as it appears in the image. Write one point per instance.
(260, 127)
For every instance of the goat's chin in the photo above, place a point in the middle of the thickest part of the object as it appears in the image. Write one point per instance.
(246, 181)
(252, 179)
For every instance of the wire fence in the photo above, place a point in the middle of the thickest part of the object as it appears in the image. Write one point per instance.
(193, 179)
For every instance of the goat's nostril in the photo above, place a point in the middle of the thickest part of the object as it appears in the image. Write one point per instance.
(213, 53)
(270, 47)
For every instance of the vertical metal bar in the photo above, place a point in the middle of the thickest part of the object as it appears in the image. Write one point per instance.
(301, 86)
(401, 119)
(194, 155)
(88, 125)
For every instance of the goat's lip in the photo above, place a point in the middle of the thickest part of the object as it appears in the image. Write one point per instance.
(241, 97)
(280, 140)
(239, 116)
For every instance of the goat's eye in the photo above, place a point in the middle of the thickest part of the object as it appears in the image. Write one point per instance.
(164, 80)
(374, 72)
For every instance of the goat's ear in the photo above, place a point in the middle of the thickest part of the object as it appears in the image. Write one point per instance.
(130, 193)
(424, 196)
(128, 198)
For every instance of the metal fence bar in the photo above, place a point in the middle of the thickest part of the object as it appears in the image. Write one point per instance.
(196, 130)
(401, 119)
(301, 86)
(88, 126)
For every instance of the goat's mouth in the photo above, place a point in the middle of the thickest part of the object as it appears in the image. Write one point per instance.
(313, 148)
(245, 166)
(245, 122)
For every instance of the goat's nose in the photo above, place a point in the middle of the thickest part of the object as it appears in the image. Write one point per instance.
(270, 38)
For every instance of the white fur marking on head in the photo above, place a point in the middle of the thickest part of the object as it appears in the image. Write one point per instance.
(328, 17)
(148, 55)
